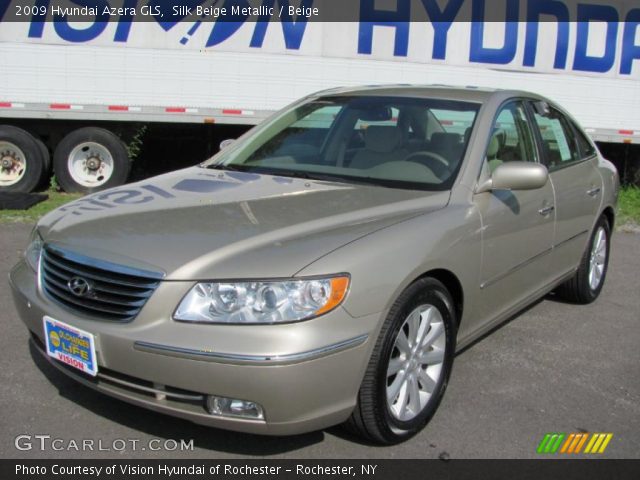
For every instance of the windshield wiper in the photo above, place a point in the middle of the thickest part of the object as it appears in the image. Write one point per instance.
(318, 176)
(231, 168)
(297, 174)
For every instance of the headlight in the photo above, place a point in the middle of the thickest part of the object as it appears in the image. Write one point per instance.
(262, 301)
(34, 249)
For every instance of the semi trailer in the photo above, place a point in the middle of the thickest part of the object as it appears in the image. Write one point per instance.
(78, 99)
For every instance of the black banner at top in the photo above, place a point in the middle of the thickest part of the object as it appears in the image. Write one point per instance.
(170, 12)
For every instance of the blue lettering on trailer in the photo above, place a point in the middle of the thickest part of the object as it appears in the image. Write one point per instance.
(499, 56)
(630, 51)
(589, 13)
(399, 19)
(561, 13)
(619, 41)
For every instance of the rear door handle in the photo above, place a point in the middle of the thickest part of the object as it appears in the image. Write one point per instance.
(594, 192)
(546, 210)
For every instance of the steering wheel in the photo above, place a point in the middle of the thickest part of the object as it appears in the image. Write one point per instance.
(437, 163)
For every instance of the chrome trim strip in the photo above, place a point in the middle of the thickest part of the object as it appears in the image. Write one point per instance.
(506, 273)
(479, 332)
(570, 239)
(500, 276)
(103, 264)
(241, 359)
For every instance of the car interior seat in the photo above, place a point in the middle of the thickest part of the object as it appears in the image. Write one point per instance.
(492, 152)
(382, 144)
(447, 145)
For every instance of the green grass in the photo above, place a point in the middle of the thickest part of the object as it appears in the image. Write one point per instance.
(56, 199)
(629, 207)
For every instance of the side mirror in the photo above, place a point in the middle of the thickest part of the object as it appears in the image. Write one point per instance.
(516, 176)
(225, 143)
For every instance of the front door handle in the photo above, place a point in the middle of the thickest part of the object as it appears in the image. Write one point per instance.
(546, 210)
(594, 192)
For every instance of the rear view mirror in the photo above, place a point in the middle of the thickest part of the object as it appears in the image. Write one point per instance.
(225, 143)
(376, 114)
(516, 176)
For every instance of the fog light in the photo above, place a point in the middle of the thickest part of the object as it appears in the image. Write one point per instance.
(232, 407)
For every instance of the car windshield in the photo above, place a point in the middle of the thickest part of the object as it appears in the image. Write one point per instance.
(395, 142)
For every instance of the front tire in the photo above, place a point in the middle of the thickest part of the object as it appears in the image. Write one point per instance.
(410, 365)
(585, 286)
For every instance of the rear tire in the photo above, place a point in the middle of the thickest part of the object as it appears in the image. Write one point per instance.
(91, 159)
(585, 286)
(22, 164)
(414, 359)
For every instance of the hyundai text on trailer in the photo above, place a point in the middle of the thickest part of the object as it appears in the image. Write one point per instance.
(73, 96)
(328, 264)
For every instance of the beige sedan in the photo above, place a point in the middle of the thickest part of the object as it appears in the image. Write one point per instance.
(325, 267)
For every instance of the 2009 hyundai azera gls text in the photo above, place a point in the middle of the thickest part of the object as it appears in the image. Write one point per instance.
(325, 267)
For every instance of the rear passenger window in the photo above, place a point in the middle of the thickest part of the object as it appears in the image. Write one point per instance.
(512, 139)
(586, 147)
(558, 138)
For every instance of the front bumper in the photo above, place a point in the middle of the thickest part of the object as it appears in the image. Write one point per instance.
(305, 375)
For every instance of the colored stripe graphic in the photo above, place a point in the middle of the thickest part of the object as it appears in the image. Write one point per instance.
(573, 443)
(557, 443)
(581, 443)
(591, 442)
(543, 443)
(598, 443)
(570, 439)
(550, 443)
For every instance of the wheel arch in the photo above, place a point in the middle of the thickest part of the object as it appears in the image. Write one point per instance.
(452, 283)
(610, 214)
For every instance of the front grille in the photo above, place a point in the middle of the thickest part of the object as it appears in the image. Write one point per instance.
(105, 290)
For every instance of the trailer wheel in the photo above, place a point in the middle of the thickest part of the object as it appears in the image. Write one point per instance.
(21, 161)
(91, 159)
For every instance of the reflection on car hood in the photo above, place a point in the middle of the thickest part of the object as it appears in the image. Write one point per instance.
(207, 224)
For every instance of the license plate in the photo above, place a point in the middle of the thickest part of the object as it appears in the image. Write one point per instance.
(71, 345)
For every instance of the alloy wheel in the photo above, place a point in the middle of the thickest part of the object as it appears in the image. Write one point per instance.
(416, 363)
(598, 258)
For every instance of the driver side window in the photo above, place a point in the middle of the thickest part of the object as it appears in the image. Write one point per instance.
(511, 140)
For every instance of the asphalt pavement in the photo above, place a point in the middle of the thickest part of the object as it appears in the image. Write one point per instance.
(553, 368)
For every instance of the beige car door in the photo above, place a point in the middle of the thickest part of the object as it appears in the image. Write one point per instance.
(517, 226)
(570, 159)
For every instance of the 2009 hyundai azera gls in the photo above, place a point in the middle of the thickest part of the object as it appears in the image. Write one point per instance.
(324, 267)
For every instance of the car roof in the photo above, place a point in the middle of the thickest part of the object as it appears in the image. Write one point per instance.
(444, 92)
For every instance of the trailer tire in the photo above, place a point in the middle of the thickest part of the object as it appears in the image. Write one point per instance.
(22, 164)
(46, 158)
(91, 159)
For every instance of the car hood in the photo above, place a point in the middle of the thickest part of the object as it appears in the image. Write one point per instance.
(199, 224)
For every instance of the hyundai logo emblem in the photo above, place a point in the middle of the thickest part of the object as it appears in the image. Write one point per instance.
(79, 286)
